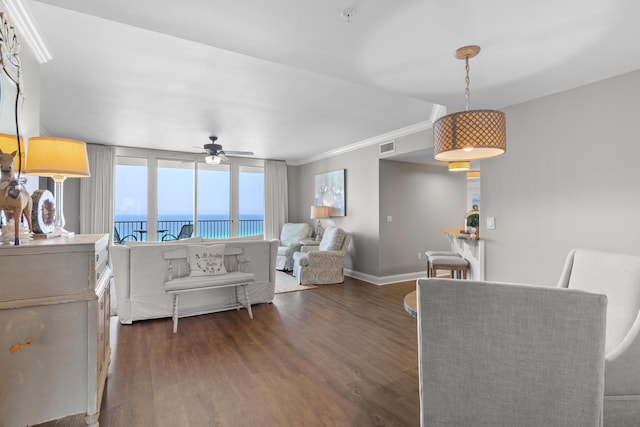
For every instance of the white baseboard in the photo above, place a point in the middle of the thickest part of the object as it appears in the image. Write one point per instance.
(385, 280)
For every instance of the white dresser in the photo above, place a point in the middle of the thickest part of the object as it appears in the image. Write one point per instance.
(54, 329)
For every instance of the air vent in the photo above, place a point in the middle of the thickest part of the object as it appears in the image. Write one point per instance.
(387, 147)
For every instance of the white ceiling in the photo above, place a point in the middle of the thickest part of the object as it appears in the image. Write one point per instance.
(291, 79)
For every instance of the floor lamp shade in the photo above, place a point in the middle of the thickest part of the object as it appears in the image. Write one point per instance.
(9, 144)
(58, 158)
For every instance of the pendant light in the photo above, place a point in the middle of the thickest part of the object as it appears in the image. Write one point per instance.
(459, 166)
(470, 134)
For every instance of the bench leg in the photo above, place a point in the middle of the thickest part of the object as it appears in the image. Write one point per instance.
(247, 303)
(175, 313)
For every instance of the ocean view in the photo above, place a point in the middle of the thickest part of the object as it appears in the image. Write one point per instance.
(169, 226)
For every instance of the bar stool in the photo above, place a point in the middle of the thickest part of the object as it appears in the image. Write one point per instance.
(431, 254)
(457, 265)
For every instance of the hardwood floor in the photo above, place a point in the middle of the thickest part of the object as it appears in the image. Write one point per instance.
(339, 355)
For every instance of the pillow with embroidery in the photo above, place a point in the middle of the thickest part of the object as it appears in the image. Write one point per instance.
(206, 260)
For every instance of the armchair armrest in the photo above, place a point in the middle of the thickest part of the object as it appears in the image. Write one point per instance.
(325, 258)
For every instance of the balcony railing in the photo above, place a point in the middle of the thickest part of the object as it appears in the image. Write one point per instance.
(207, 228)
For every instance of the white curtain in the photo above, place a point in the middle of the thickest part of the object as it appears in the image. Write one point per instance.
(276, 198)
(97, 191)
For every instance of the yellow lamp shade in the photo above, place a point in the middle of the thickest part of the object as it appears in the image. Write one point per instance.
(459, 166)
(57, 156)
(9, 144)
(473, 175)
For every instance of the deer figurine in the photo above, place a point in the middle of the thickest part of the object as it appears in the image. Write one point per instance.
(13, 196)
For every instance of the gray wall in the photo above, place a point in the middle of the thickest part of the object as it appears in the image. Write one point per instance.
(361, 220)
(569, 179)
(421, 199)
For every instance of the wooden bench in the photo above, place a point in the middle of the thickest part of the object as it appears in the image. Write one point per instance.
(236, 276)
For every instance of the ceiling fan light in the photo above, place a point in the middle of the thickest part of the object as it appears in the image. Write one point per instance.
(212, 160)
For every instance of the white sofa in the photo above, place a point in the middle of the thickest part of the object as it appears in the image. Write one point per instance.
(139, 272)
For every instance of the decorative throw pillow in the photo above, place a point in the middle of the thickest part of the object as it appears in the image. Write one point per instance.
(206, 260)
(332, 239)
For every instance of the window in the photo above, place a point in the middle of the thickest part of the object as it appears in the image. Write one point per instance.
(214, 213)
(131, 197)
(175, 197)
(251, 201)
(171, 190)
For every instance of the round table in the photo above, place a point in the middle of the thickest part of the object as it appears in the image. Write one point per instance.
(411, 303)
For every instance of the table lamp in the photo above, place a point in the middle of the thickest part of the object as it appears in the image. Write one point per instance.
(9, 144)
(60, 159)
(320, 212)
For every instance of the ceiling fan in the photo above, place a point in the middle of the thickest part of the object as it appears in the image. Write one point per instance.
(216, 154)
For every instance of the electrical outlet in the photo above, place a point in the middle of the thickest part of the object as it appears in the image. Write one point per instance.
(419, 255)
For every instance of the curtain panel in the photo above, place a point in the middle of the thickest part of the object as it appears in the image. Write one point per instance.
(276, 198)
(97, 191)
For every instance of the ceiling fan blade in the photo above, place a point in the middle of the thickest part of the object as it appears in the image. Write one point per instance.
(222, 156)
(238, 153)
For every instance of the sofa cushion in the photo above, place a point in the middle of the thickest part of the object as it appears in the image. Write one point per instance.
(332, 239)
(206, 260)
(191, 283)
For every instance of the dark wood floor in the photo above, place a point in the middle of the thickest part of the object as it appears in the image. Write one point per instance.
(339, 355)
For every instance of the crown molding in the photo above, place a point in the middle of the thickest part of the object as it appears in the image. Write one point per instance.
(22, 18)
(427, 124)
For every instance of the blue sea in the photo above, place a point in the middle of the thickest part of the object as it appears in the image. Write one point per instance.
(209, 226)
(185, 217)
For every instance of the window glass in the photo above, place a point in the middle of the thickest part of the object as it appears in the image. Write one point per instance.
(175, 197)
(251, 201)
(131, 197)
(214, 214)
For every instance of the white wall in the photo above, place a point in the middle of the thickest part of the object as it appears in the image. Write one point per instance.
(569, 179)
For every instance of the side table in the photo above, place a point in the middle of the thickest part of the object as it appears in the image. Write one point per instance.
(309, 242)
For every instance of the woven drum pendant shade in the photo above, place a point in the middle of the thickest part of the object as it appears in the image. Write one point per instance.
(470, 135)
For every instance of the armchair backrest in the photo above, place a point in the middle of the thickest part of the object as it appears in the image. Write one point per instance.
(615, 275)
(334, 239)
(503, 354)
(294, 232)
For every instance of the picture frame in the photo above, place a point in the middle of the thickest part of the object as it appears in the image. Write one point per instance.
(330, 191)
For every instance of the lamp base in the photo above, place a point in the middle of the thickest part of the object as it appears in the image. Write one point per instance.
(62, 232)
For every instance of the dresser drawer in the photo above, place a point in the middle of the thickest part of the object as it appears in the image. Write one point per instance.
(101, 262)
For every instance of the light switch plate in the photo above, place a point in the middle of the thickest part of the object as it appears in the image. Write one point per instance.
(491, 223)
(389, 219)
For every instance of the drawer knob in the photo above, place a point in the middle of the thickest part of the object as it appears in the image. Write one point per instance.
(97, 257)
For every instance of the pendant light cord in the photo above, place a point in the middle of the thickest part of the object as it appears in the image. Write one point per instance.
(466, 91)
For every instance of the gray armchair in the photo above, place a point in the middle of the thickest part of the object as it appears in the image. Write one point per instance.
(323, 264)
(290, 237)
(496, 354)
(618, 277)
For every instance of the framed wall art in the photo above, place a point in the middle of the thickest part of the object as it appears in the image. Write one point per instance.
(329, 191)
